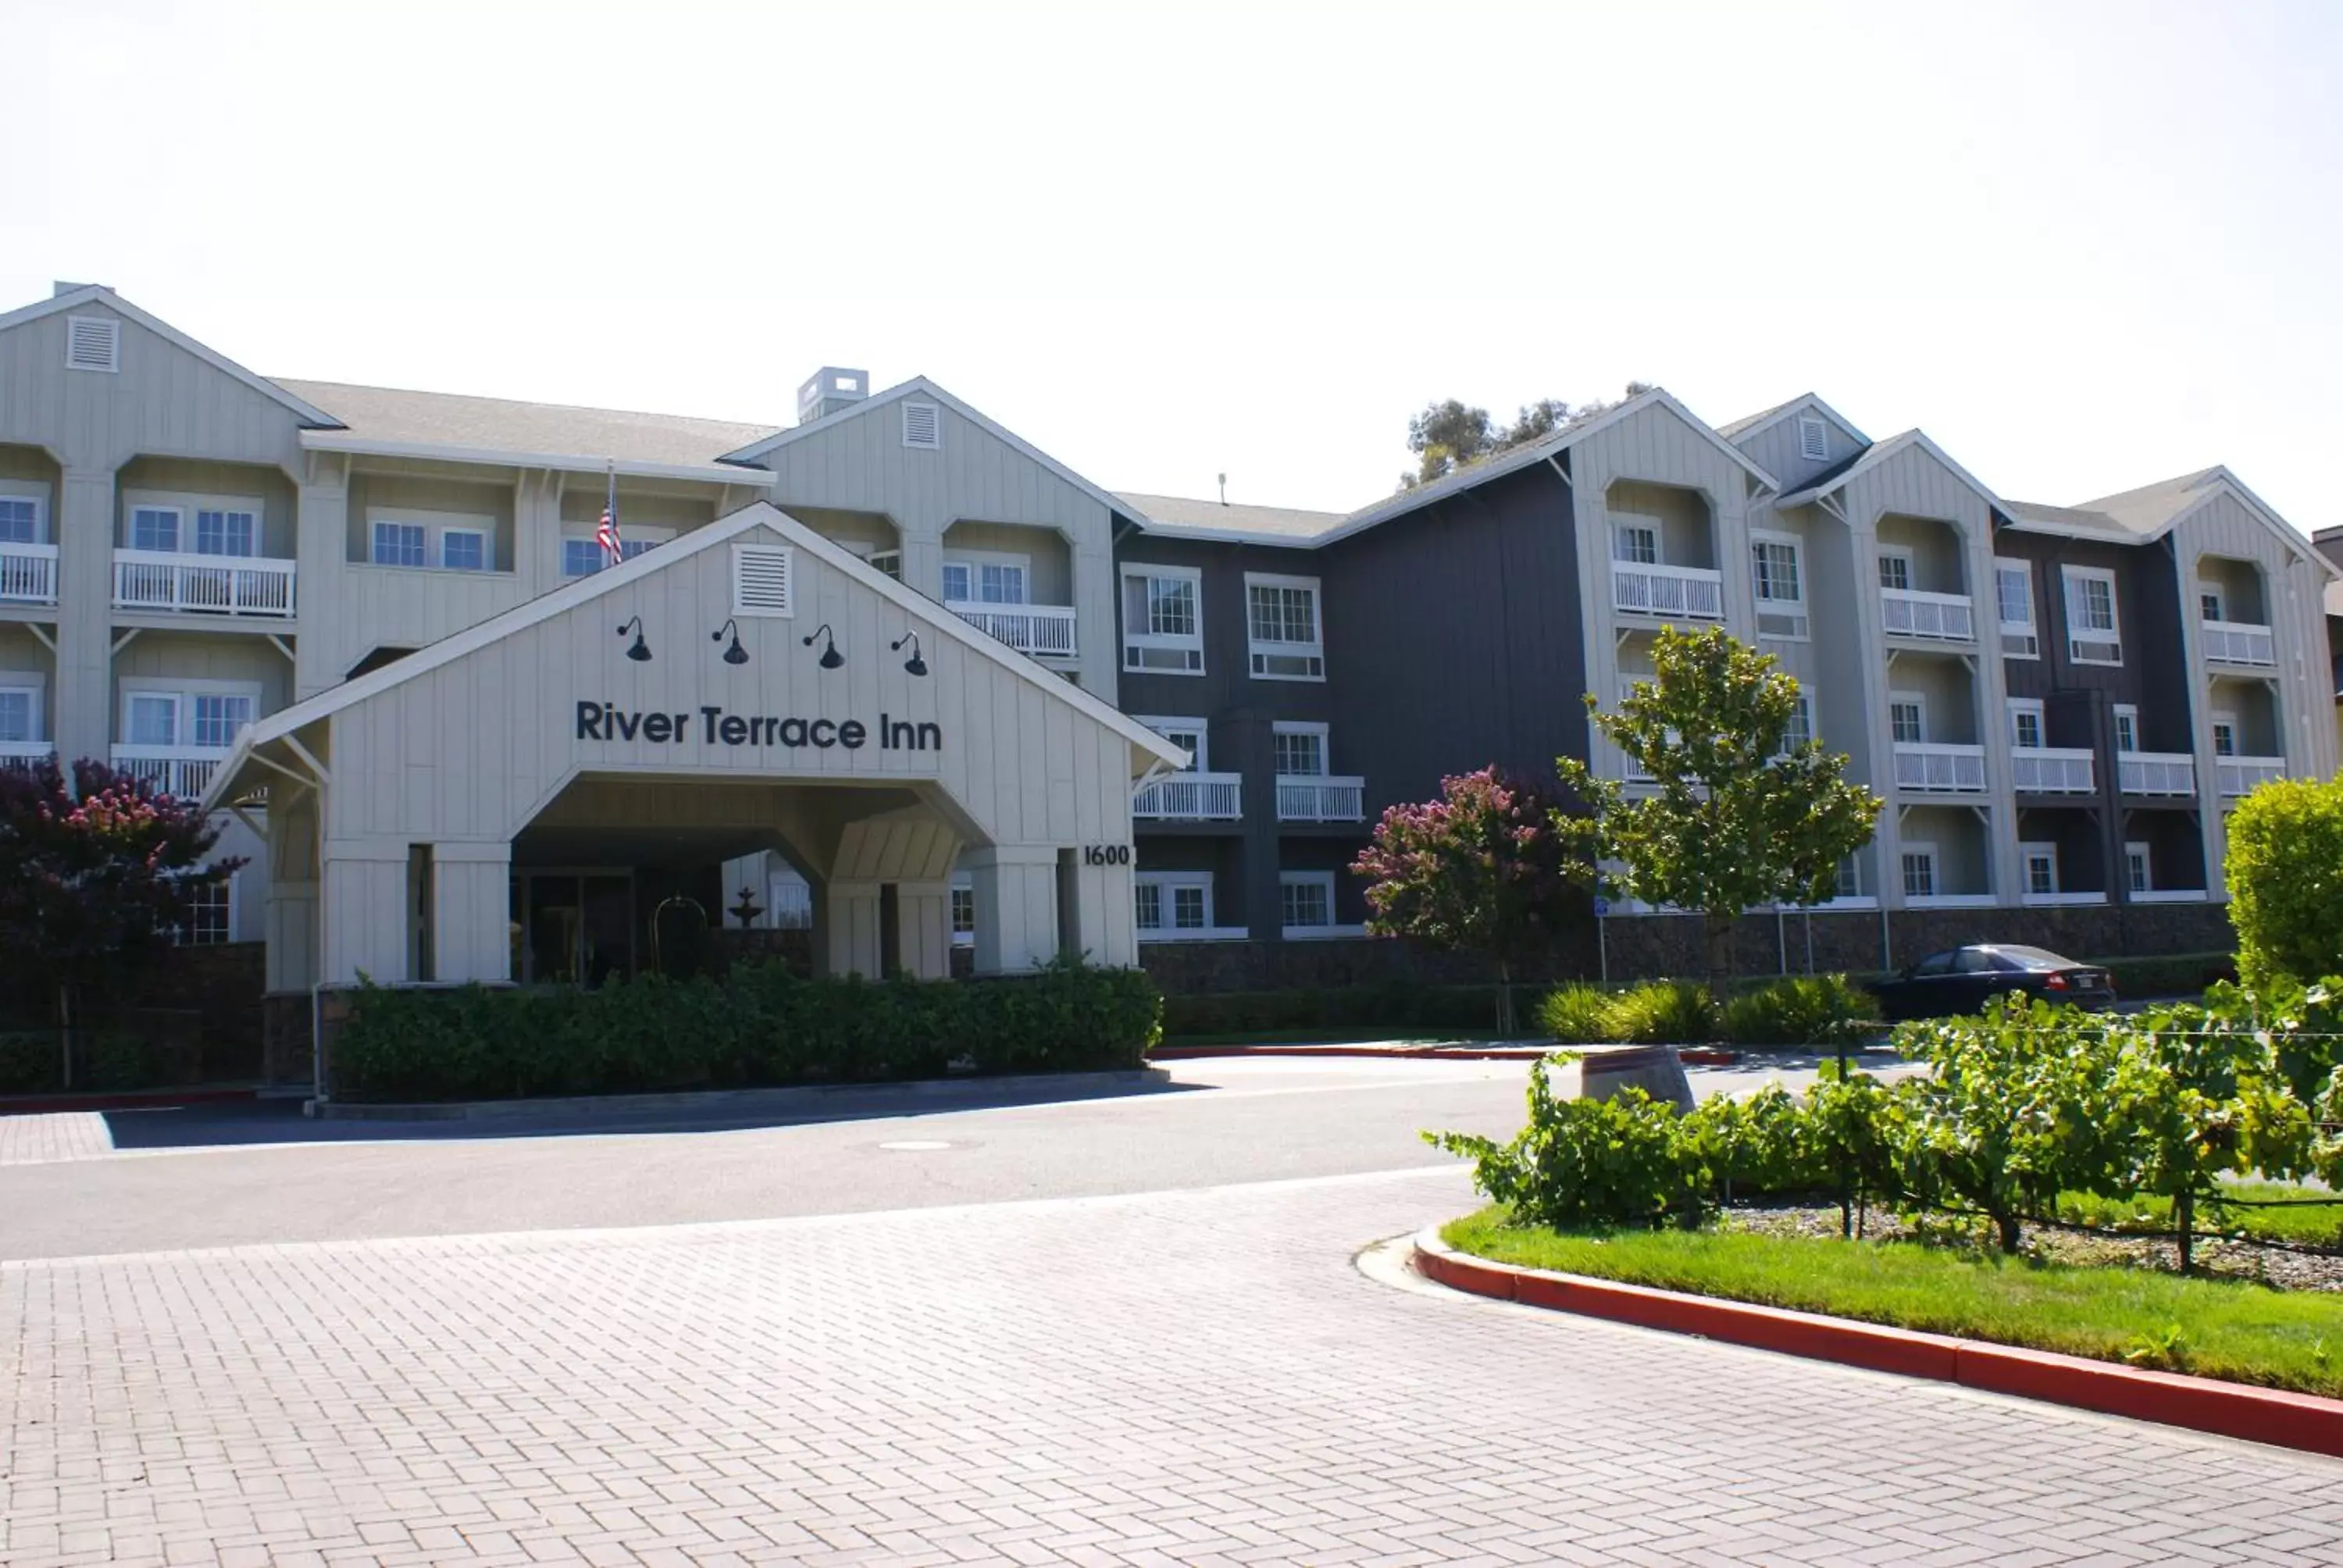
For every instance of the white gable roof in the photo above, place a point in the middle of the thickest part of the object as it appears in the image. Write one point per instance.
(98, 294)
(1885, 451)
(1749, 424)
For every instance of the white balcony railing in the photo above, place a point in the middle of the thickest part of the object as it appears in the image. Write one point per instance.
(181, 771)
(2052, 771)
(1321, 798)
(1190, 798)
(25, 753)
(1932, 616)
(2155, 773)
(28, 574)
(1693, 592)
(1933, 769)
(2235, 642)
(2240, 774)
(203, 585)
(1043, 630)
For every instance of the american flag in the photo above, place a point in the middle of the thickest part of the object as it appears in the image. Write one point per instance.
(607, 533)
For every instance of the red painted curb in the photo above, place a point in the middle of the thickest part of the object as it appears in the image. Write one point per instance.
(128, 1100)
(2275, 1416)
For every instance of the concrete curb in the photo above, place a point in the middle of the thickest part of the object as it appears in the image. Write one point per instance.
(1692, 1055)
(692, 1103)
(123, 1100)
(2274, 1416)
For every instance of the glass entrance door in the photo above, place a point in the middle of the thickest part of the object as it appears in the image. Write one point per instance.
(573, 928)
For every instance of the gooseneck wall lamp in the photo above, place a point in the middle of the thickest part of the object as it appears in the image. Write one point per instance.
(831, 657)
(640, 652)
(914, 665)
(736, 654)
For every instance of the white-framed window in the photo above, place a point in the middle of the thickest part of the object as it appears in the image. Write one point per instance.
(1850, 878)
(975, 576)
(964, 911)
(888, 561)
(2139, 867)
(581, 552)
(2209, 602)
(220, 532)
(465, 550)
(1285, 638)
(2041, 862)
(2093, 636)
(155, 528)
(204, 714)
(1306, 900)
(1896, 570)
(2225, 734)
(1298, 750)
(1814, 439)
(1173, 901)
(398, 544)
(2013, 591)
(1187, 733)
(1907, 717)
(1777, 571)
(23, 520)
(210, 913)
(1920, 863)
(2026, 723)
(1635, 542)
(2127, 727)
(1801, 727)
(214, 717)
(1162, 619)
(20, 706)
(150, 718)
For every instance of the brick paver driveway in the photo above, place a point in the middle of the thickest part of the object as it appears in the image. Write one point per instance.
(1186, 1378)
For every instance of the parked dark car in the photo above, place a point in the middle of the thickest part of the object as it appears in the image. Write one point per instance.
(1963, 979)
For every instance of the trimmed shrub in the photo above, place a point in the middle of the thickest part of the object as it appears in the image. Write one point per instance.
(1804, 1010)
(28, 1061)
(2284, 872)
(1579, 1014)
(758, 1026)
(1664, 1012)
(2178, 974)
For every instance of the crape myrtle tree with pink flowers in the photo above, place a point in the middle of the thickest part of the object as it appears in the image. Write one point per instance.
(1483, 868)
(94, 877)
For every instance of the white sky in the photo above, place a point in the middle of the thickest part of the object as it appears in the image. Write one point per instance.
(2085, 246)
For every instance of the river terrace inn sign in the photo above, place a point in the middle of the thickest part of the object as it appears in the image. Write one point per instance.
(749, 687)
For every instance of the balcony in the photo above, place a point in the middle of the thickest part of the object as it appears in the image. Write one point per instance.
(1320, 798)
(1929, 769)
(2241, 774)
(1190, 798)
(25, 753)
(203, 585)
(1927, 617)
(1043, 630)
(180, 770)
(2155, 773)
(2235, 642)
(1688, 591)
(28, 574)
(2052, 771)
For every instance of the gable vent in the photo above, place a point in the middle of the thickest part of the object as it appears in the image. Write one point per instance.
(92, 343)
(764, 580)
(923, 426)
(1814, 439)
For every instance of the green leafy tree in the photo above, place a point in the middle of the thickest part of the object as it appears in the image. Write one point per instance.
(2284, 869)
(1481, 870)
(1734, 817)
(1449, 434)
(93, 877)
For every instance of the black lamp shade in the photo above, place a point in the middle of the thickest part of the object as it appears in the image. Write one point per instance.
(735, 654)
(831, 657)
(639, 651)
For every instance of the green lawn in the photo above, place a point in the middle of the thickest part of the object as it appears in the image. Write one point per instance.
(2308, 1224)
(2233, 1330)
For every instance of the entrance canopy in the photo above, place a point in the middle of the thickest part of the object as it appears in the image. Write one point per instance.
(749, 685)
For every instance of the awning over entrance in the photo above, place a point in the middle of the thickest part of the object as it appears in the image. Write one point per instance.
(749, 686)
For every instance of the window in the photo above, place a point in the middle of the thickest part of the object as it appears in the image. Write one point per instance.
(154, 529)
(223, 533)
(888, 561)
(1307, 898)
(1781, 586)
(399, 544)
(464, 550)
(1896, 570)
(2139, 868)
(20, 520)
(2127, 727)
(581, 557)
(1173, 901)
(210, 913)
(2026, 723)
(2013, 588)
(1300, 750)
(1801, 727)
(1850, 878)
(1919, 870)
(1814, 439)
(1185, 733)
(2225, 734)
(1637, 544)
(1907, 717)
(2092, 634)
(963, 914)
(985, 580)
(218, 717)
(2041, 867)
(151, 718)
(1162, 619)
(2208, 602)
(1281, 621)
(20, 712)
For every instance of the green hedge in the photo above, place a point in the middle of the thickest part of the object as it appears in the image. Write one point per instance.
(1802, 1010)
(2181, 974)
(758, 1025)
(111, 1060)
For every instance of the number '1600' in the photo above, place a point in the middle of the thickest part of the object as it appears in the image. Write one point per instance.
(1106, 854)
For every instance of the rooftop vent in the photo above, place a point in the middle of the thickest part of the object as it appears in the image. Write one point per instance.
(829, 389)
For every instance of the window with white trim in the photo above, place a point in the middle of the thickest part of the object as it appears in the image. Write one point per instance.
(1162, 619)
(1173, 901)
(2041, 867)
(154, 529)
(2093, 636)
(1920, 863)
(21, 521)
(1635, 543)
(465, 550)
(1814, 439)
(217, 716)
(205, 714)
(1285, 636)
(964, 911)
(1189, 734)
(1777, 571)
(1299, 750)
(2013, 590)
(1896, 570)
(2127, 727)
(2225, 734)
(2139, 867)
(1801, 727)
(1850, 878)
(2026, 723)
(1907, 717)
(582, 553)
(222, 532)
(399, 544)
(209, 913)
(1306, 900)
(20, 707)
(2209, 602)
(888, 561)
(978, 576)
